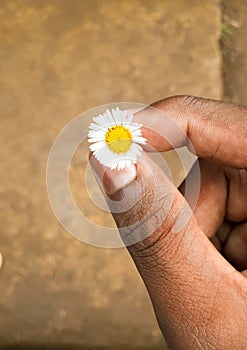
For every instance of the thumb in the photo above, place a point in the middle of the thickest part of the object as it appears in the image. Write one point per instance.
(185, 275)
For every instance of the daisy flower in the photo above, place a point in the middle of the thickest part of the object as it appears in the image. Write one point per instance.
(115, 139)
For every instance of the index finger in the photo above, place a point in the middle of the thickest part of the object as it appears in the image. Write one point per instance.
(216, 129)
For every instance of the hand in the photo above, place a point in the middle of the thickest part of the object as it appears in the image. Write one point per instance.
(199, 293)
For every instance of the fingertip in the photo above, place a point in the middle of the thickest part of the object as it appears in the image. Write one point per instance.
(113, 180)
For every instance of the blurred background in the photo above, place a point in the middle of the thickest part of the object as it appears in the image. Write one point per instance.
(60, 58)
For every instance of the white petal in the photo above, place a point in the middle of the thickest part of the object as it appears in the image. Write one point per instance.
(110, 117)
(140, 140)
(121, 164)
(96, 146)
(125, 119)
(113, 166)
(129, 118)
(105, 156)
(101, 119)
(137, 133)
(98, 120)
(114, 113)
(134, 127)
(133, 152)
(118, 116)
(119, 112)
(96, 133)
(95, 139)
(135, 148)
(94, 126)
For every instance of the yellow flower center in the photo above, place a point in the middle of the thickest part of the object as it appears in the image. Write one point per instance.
(118, 139)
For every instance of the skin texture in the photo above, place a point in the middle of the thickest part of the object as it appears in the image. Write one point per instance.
(196, 279)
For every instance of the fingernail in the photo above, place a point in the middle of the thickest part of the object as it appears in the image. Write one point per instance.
(113, 180)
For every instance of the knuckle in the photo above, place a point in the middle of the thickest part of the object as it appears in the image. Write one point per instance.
(133, 217)
(160, 245)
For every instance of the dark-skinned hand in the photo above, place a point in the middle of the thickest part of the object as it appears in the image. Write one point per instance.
(196, 278)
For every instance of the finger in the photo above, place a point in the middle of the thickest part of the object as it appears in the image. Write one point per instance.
(236, 209)
(112, 180)
(224, 231)
(223, 196)
(210, 207)
(182, 270)
(217, 130)
(235, 249)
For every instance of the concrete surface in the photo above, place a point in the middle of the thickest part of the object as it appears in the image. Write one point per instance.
(235, 50)
(58, 59)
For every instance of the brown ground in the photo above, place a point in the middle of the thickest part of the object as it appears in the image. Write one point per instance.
(235, 51)
(59, 58)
